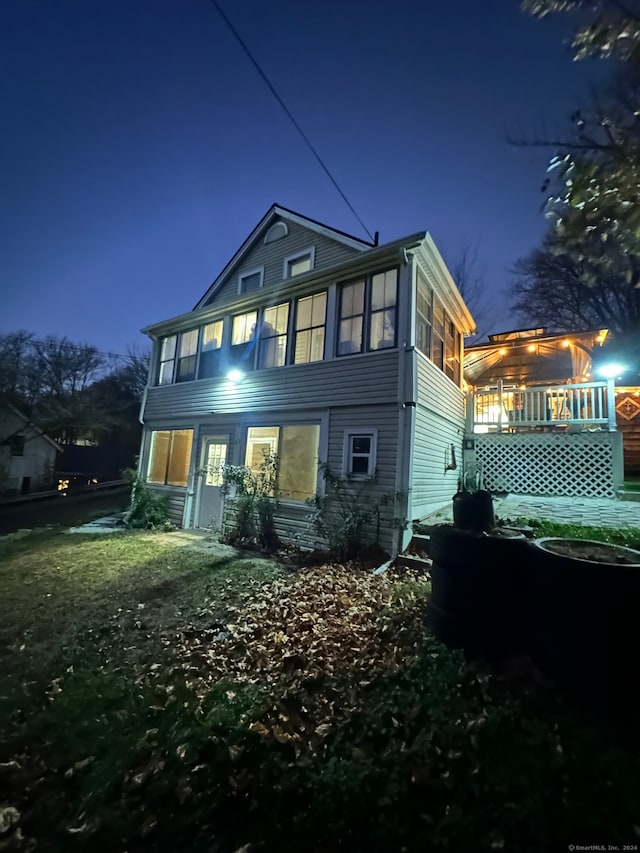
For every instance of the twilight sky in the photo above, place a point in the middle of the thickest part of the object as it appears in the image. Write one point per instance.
(139, 147)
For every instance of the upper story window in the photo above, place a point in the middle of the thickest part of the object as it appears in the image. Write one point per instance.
(187, 355)
(384, 295)
(272, 350)
(167, 360)
(368, 309)
(424, 316)
(210, 344)
(311, 317)
(452, 349)
(299, 263)
(437, 340)
(436, 334)
(243, 332)
(251, 280)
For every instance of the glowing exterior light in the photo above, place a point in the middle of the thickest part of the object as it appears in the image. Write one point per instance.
(610, 370)
(531, 347)
(235, 375)
(566, 343)
(502, 351)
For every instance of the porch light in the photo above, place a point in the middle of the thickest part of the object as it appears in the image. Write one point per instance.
(566, 343)
(531, 347)
(235, 375)
(502, 351)
(609, 371)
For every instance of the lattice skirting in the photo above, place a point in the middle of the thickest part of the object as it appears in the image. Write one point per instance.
(581, 465)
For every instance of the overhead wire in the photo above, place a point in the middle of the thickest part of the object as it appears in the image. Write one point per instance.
(288, 113)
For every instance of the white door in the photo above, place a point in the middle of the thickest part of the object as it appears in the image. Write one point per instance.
(210, 504)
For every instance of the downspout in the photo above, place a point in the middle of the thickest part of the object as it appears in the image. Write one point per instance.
(407, 408)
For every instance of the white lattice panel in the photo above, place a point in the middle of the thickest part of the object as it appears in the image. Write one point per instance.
(584, 465)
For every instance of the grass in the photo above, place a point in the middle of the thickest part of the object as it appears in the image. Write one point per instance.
(627, 536)
(158, 698)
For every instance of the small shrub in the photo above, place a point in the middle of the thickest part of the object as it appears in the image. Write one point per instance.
(148, 510)
(345, 516)
(255, 501)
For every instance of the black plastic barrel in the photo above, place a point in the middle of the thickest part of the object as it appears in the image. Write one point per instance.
(473, 511)
(583, 627)
(478, 590)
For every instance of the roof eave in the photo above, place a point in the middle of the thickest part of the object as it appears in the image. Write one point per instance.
(352, 267)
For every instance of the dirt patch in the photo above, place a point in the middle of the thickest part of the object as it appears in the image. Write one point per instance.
(594, 552)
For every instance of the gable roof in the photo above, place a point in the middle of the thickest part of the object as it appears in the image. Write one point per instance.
(274, 211)
(29, 423)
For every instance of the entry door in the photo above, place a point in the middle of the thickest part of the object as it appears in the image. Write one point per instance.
(214, 456)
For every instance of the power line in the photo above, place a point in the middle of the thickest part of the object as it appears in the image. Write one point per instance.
(275, 94)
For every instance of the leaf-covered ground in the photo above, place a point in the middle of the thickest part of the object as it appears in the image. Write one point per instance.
(159, 698)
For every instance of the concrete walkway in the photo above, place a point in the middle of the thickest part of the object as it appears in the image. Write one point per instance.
(592, 511)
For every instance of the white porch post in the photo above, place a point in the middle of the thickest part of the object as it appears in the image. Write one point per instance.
(500, 405)
(611, 405)
(469, 412)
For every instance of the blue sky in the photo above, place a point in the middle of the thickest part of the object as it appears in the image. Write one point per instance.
(139, 147)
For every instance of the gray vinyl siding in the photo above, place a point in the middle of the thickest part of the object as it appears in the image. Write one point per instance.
(439, 424)
(177, 498)
(384, 419)
(271, 256)
(350, 380)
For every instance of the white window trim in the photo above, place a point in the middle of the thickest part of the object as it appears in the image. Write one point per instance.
(311, 251)
(346, 451)
(248, 273)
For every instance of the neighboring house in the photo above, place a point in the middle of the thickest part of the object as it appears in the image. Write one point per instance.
(540, 422)
(317, 346)
(27, 455)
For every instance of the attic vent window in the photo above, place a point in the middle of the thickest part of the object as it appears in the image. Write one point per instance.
(277, 231)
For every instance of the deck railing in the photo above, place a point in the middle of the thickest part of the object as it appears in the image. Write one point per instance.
(509, 408)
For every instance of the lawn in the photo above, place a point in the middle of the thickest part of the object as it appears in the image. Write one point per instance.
(160, 698)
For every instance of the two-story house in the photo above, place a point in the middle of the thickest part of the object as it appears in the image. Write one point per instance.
(318, 347)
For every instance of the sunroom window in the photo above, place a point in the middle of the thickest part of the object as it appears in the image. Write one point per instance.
(273, 336)
(382, 332)
(167, 360)
(210, 344)
(187, 355)
(311, 314)
(368, 313)
(169, 457)
(243, 332)
(436, 334)
(296, 447)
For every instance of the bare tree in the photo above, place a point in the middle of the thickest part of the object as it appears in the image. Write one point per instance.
(556, 289)
(471, 280)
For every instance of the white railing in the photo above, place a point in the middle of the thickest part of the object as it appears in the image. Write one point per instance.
(508, 408)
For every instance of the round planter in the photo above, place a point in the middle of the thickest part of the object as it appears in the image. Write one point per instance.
(583, 614)
(473, 511)
(477, 590)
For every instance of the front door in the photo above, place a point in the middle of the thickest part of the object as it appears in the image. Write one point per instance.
(214, 456)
